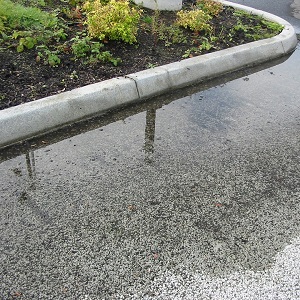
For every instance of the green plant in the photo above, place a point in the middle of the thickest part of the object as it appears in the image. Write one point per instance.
(275, 27)
(75, 3)
(196, 20)
(151, 65)
(147, 19)
(26, 27)
(106, 56)
(48, 56)
(189, 52)
(171, 34)
(2, 27)
(17, 16)
(73, 75)
(155, 25)
(26, 42)
(256, 27)
(205, 45)
(240, 27)
(84, 47)
(81, 46)
(32, 3)
(116, 20)
(210, 7)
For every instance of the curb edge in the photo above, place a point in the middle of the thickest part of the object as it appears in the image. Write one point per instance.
(53, 112)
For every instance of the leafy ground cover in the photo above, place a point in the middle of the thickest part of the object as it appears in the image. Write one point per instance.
(50, 47)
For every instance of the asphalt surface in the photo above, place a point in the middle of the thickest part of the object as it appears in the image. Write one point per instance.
(196, 198)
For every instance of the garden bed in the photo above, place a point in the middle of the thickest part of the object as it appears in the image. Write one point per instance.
(26, 76)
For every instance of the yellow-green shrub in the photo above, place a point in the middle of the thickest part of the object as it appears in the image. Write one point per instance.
(2, 27)
(210, 7)
(196, 20)
(115, 20)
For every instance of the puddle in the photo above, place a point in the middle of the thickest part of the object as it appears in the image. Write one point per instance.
(155, 103)
(296, 9)
(190, 194)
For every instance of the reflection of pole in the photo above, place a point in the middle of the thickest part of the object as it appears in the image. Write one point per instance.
(30, 163)
(149, 133)
(25, 197)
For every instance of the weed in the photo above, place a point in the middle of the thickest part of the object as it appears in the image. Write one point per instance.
(147, 19)
(48, 56)
(151, 65)
(275, 27)
(171, 35)
(190, 52)
(155, 24)
(205, 45)
(106, 56)
(81, 46)
(84, 47)
(27, 42)
(264, 28)
(73, 75)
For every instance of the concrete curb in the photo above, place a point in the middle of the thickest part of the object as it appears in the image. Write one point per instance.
(47, 114)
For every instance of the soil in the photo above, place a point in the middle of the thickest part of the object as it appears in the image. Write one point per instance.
(23, 79)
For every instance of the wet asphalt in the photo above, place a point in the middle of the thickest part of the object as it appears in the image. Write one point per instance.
(194, 195)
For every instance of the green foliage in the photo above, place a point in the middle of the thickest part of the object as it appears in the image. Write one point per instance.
(196, 20)
(171, 35)
(210, 7)
(147, 19)
(275, 27)
(75, 3)
(116, 20)
(48, 56)
(84, 47)
(29, 26)
(27, 42)
(81, 46)
(32, 3)
(260, 29)
(189, 52)
(206, 44)
(151, 65)
(104, 2)
(2, 27)
(35, 29)
(106, 56)
(17, 16)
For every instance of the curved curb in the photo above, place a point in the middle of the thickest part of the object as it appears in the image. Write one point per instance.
(47, 114)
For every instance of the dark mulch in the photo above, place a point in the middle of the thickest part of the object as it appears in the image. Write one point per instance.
(22, 79)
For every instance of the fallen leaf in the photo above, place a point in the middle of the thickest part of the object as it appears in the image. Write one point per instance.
(131, 207)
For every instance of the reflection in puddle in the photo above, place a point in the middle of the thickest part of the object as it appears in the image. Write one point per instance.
(149, 134)
(296, 9)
